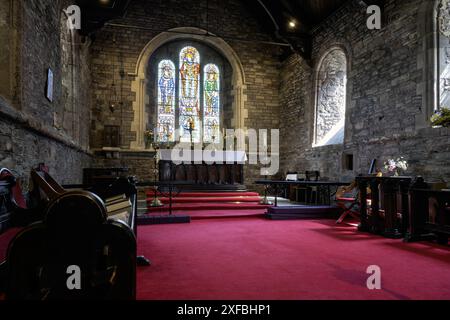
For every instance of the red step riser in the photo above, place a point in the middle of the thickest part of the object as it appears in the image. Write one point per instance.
(208, 207)
(217, 214)
(151, 194)
(228, 217)
(216, 200)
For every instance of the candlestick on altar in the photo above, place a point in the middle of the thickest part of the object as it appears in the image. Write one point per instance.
(156, 202)
(215, 128)
(191, 129)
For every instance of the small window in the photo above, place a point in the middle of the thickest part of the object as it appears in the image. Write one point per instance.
(348, 162)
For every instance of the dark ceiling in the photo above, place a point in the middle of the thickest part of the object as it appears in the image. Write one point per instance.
(305, 13)
(95, 13)
(275, 16)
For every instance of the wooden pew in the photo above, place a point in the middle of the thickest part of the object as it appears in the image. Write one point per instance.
(429, 215)
(388, 211)
(78, 228)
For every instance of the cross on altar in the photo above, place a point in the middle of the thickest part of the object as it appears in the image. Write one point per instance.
(191, 129)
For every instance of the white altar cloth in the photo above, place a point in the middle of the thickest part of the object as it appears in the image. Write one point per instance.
(179, 156)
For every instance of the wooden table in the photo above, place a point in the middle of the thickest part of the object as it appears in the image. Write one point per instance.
(277, 183)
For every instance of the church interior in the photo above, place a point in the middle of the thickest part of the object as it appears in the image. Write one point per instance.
(224, 149)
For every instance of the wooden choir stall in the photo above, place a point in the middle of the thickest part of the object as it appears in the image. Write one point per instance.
(385, 210)
(404, 207)
(429, 214)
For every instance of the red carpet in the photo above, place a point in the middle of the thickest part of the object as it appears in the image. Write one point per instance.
(253, 258)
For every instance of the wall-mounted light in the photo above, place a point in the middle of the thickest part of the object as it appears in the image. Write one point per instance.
(107, 3)
(292, 24)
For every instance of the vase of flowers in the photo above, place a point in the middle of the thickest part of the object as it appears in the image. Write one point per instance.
(441, 118)
(397, 166)
(149, 137)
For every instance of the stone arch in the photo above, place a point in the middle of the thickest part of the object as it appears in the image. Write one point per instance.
(341, 53)
(189, 33)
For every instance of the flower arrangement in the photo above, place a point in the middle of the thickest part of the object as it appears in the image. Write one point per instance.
(441, 118)
(395, 166)
(149, 137)
(148, 134)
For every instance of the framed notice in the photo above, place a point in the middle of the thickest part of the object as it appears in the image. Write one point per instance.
(49, 86)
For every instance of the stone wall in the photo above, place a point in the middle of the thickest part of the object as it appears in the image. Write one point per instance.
(386, 108)
(32, 128)
(118, 48)
(139, 164)
(9, 37)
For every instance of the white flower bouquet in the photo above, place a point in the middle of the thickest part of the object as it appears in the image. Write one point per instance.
(396, 166)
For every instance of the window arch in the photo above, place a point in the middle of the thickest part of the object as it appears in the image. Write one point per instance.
(331, 99)
(443, 25)
(188, 98)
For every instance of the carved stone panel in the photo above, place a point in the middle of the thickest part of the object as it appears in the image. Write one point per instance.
(444, 18)
(331, 96)
(444, 53)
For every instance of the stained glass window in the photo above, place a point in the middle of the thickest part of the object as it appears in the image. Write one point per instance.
(189, 92)
(189, 113)
(166, 101)
(211, 103)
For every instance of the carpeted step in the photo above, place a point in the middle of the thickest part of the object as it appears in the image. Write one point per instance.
(192, 207)
(303, 212)
(151, 194)
(182, 199)
(207, 214)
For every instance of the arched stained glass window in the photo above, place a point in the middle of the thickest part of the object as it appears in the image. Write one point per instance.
(166, 101)
(198, 107)
(189, 95)
(211, 103)
(331, 99)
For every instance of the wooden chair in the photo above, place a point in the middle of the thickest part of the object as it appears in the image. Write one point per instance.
(347, 198)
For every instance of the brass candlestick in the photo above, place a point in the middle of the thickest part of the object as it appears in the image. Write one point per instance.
(215, 128)
(156, 202)
(265, 200)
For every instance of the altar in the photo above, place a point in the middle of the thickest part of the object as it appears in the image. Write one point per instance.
(203, 169)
